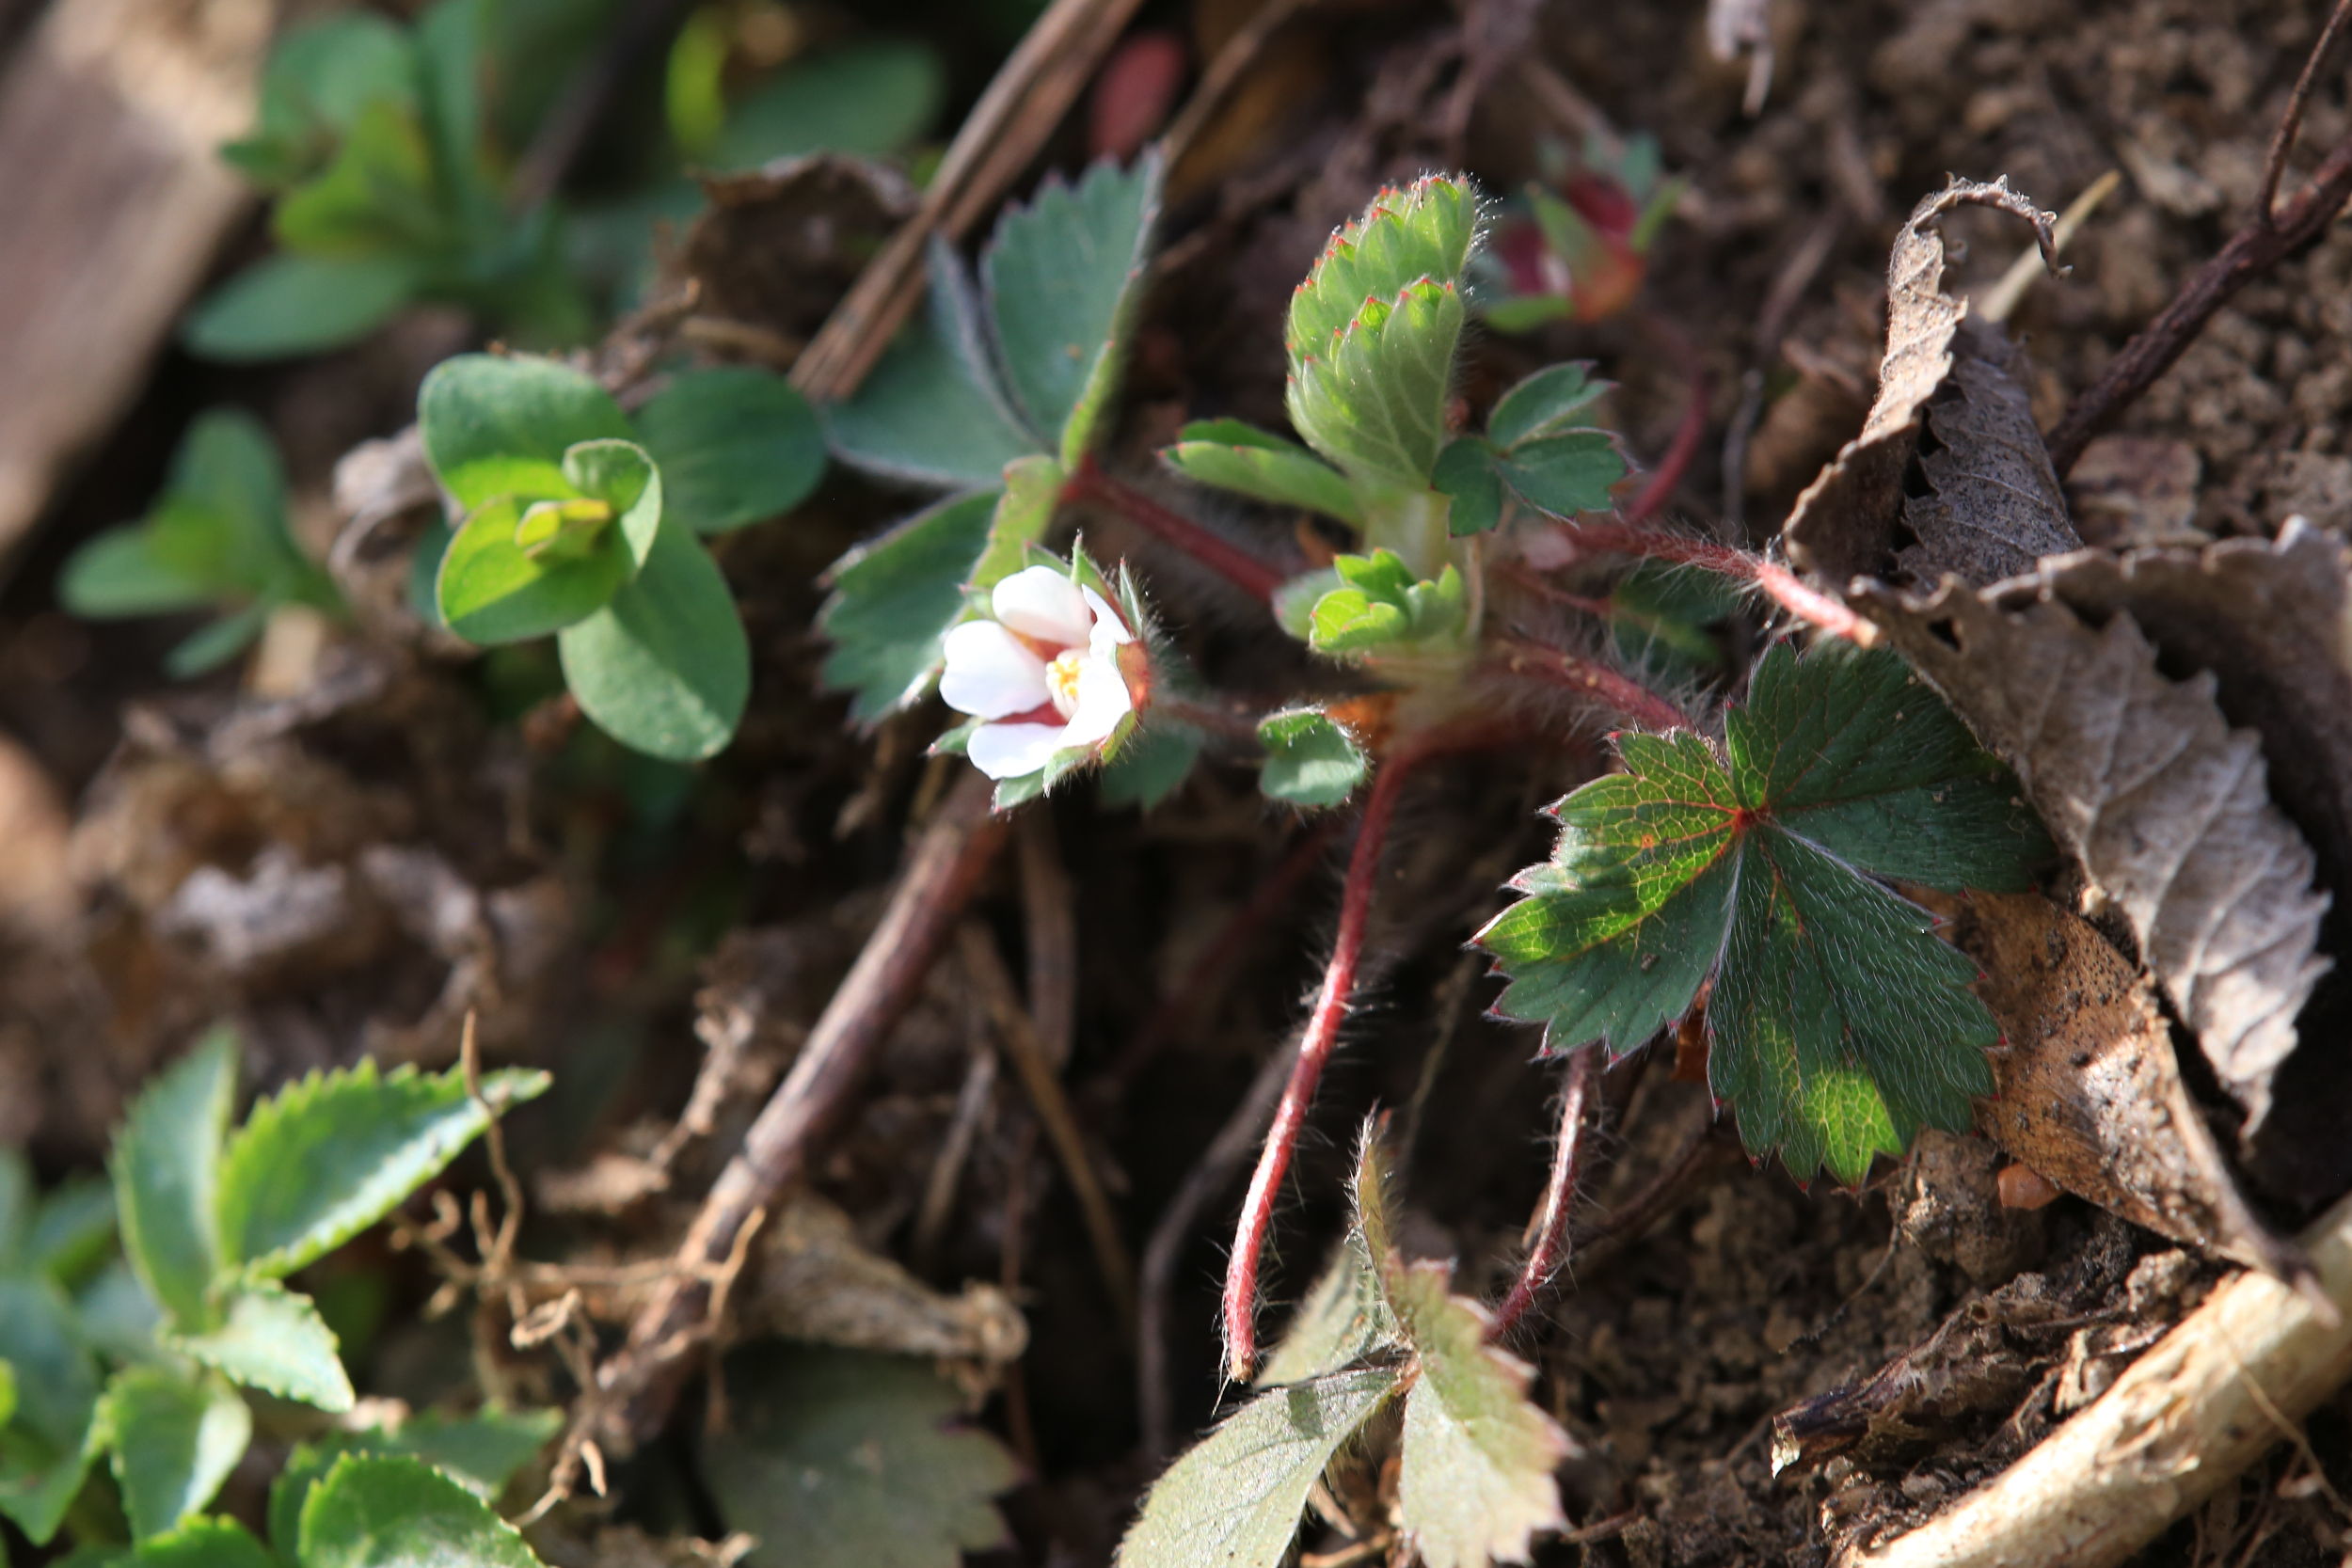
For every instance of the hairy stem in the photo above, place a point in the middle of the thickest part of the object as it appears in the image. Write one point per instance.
(1550, 1251)
(1231, 562)
(1523, 656)
(1314, 1051)
(1777, 582)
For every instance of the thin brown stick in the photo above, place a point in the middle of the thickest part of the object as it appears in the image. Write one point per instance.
(1225, 71)
(1052, 927)
(1031, 92)
(2267, 237)
(1550, 1252)
(2290, 122)
(638, 1387)
(1017, 1037)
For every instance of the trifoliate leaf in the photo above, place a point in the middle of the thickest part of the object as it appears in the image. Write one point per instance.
(325, 1158)
(1311, 759)
(499, 425)
(848, 1459)
(1544, 403)
(934, 412)
(893, 597)
(1373, 399)
(167, 1164)
(1423, 230)
(665, 668)
(734, 445)
(45, 1450)
(175, 1440)
(1565, 473)
(1229, 455)
(1063, 275)
(272, 1338)
(1838, 1025)
(204, 1542)
(392, 1512)
(1235, 1499)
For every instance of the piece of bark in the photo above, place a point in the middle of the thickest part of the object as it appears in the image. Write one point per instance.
(1844, 523)
(2089, 1094)
(2204, 1402)
(109, 117)
(2163, 805)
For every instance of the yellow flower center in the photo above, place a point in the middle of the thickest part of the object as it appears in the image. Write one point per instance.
(1061, 680)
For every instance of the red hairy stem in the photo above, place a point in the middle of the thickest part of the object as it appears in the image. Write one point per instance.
(1315, 1044)
(1689, 431)
(1550, 1251)
(1778, 583)
(1523, 656)
(1172, 527)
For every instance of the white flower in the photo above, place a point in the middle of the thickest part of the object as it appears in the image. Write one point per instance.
(1044, 675)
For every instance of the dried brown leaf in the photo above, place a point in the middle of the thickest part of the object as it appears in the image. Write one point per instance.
(2159, 800)
(1843, 524)
(1993, 507)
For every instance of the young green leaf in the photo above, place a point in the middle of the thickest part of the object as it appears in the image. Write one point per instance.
(1382, 604)
(491, 588)
(174, 1441)
(933, 412)
(499, 425)
(1310, 761)
(1839, 1025)
(203, 1542)
(880, 1479)
(664, 668)
(392, 1512)
(1565, 473)
(1262, 466)
(1151, 765)
(735, 446)
(893, 598)
(165, 1166)
(325, 1158)
(46, 1449)
(481, 1452)
(1234, 1500)
(1476, 1484)
(376, 196)
(1373, 400)
(286, 304)
(211, 647)
(1063, 275)
(72, 1231)
(1544, 404)
(117, 575)
(321, 76)
(272, 1338)
(1467, 476)
(1425, 231)
(869, 98)
(1344, 1318)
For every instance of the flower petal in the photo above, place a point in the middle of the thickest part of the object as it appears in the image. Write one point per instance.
(1109, 624)
(1104, 701)
(988, 673)
(1043, 603)
(1014, 751)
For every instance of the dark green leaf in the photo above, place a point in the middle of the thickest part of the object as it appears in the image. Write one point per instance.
(1062, 275)
(166, 1167)
(1839, 1025)
(1235, 1499)
(174, 1440)
(1544, 404)
(1465, 475)
(869, 98)
(328, 1156)
(895, 597)
(286, 304)
(735, 446)
(204, 1543)
(499, 425)
(271, 1339)
(1566, 473)
(45, 1450)
(1311, 758)
(73, 1230)
(394, 1512)
(1151, 764)
(879, 1477)
(664, 668)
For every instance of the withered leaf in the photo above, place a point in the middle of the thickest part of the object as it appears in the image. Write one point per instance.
(1843, 524)
(2159, 800)
(2090, 1094)
(1993, 506)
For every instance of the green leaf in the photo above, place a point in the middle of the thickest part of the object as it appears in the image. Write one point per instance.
(376, 197)
(73, 1233)
(228, 464)
(45, 1450)
(204, 1543)
(491, 588)
(1375, 399)
(8, 1393)
(893, 600)
(1382, 604)
(735, 446)
(321, 76)
(481, 1452)
(1566, 473)
(1310, 761)
(1062, 276)
(286, 304)
(116, 1316)
(116, 575)
(869, 98)
(1659, 616)
(1149, 766)
(1838, 1025)
(664, 668)
(1466, 476)
(497, 425)
(1544, 403)
(1425, 231)
(1476, 1483)
(167, 1172)
(328, 1156)
(394, 1512)
(878, 1477)
(1267, 469)
(1235, 1499)
(272, 1338)
(1344, 1318)
(174, 1442)
(933, 412)
(216, 642)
